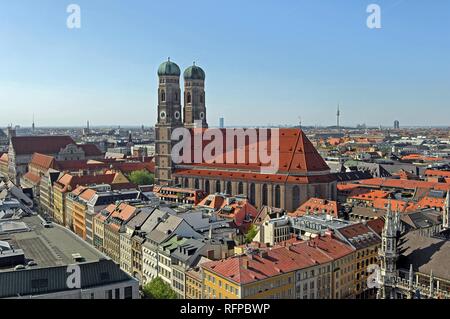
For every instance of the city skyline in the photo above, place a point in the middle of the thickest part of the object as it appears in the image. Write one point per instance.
(313, 57)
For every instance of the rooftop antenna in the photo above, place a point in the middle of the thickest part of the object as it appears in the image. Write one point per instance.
(300, 121)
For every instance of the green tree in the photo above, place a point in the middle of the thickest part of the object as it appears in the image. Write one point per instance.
(158, 289)
(251, 234)
(142, 177)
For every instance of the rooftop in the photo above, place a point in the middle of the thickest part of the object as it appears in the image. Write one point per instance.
(49, 247)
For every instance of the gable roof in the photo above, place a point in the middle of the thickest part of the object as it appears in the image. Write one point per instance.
(42, 161)
(52, 144)
(91, 149)
(296, 155)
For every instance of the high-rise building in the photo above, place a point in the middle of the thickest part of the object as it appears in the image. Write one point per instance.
(396, 124)
(221, 122)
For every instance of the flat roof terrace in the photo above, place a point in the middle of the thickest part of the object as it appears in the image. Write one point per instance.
(50, 246)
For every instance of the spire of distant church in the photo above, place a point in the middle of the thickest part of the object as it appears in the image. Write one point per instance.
(446, 212)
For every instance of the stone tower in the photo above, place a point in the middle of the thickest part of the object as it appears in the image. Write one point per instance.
(169, 118)
(389, 254)
(194, 98)
(446, 212)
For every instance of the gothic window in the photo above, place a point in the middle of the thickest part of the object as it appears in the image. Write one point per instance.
(240, 188)
(188, 98)
(229, 188)
(202, 98)
(176, 97)
(186, 183)
(163, 96)
(252, 194)
(264, 195)
(218, 187)
(196, 184)
(277, 196)
(207, 187)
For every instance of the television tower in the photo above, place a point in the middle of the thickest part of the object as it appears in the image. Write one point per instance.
(338, 114)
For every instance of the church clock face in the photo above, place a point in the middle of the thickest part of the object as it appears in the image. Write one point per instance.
(177, 115)
(162, 115)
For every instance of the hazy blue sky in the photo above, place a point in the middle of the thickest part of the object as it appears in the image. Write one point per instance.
(265, 61)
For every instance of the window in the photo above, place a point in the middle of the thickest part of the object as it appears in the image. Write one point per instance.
(117, 294)
(188, 98)
(108, 294)
(163, 96)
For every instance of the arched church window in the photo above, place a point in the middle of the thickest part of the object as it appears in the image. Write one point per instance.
(240, 188)
(163, 96)
(202, 98)
(218, 187)
(277, 196)
(264, 195)
(252, 194)
(176, 97)
(229, 190)
(188, 98)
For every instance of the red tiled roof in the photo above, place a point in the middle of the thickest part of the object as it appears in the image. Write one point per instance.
(68, 182)
(317, 205)
(52, 144)
(297, 155)
(282, 258)
(433, 172)
(376, 225)
(402, 183)
(42, 161)
(31, 177)
(91, 150)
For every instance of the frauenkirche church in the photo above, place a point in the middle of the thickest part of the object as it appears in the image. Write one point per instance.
(302, 173)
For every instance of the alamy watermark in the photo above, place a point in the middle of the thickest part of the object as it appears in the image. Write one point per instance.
(74, 19)
(374, 19)
(74, 279)
(256, 147)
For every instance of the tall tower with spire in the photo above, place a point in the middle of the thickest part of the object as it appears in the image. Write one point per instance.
(32, 125)
(446, 212)
(194, 97)
(389, 254)
(169, 118)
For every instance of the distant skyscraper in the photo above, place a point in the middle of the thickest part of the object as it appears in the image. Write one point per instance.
(221, 122)
(396, 124)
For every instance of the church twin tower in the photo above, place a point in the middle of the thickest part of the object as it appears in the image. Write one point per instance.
(169, 112)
